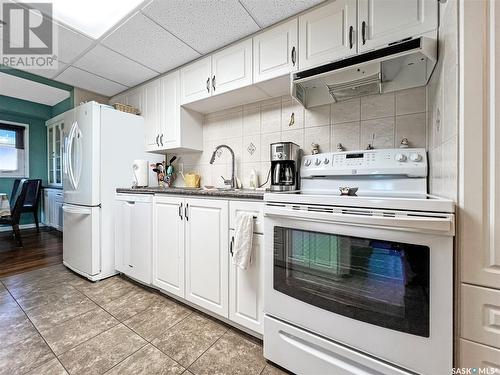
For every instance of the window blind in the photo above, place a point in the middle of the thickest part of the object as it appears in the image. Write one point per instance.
(18, 132)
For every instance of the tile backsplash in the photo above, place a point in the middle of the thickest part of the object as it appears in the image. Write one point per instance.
(442, 96)
(250, 129)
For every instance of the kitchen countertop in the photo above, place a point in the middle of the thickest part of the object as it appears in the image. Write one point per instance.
(219, 193)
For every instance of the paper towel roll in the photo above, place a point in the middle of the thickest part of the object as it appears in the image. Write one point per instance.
(141, 172)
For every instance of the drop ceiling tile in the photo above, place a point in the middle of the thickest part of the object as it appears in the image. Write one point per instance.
(88, 81)
(113, 66)
(267, 12)
(48, 73)
(144, 41)
(71, 44)
(26, 89)
(204, 25)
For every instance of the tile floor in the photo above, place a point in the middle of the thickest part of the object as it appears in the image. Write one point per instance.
(54, 322)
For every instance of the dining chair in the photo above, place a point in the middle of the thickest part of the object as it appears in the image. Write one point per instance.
(32, 200)
(16, 210)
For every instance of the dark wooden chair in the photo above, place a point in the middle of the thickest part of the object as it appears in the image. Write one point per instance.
(16, 210)
(32, 201)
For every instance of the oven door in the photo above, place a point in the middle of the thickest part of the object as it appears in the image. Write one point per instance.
(375, 280)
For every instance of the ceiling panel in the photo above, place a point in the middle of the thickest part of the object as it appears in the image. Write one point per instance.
(267, 12)
(113, 66)
(144, 41)
(25, 89)
(48, 73)
(71, 44)
(88, 81)
(204, 25)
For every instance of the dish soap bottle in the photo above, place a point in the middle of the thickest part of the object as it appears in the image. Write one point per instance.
(254, 179)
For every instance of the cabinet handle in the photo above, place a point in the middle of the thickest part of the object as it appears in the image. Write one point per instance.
(208, 84)
(231, 245)
(157, 136)
(186, 212)
(161, 139)
(293, 55)
(180, 211)
(363, 32)
(351, 32)
(213, 82)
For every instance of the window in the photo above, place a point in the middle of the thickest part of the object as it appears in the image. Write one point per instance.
(13, 150)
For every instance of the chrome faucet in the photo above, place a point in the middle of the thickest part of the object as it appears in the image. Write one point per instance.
(232, 181)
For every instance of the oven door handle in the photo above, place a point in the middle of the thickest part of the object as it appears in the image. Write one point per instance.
(443, 224)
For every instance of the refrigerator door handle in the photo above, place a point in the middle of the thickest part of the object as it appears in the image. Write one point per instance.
(79, 156)
(69, 157)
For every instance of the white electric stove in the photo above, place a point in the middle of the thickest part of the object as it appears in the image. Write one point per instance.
(360, 284)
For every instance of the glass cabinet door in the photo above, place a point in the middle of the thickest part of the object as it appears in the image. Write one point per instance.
(58, 153)
(51, 155)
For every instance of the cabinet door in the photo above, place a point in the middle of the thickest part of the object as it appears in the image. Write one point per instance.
(46, 208)
(170, 107)
(133, 232)
(123, 214)
(58, 147)
(207, 252)
(56, 204)
(168, 244)
(51, 155)
(151, 113)
(327, 33)
(232, 67)
(134, 98)
(385, 21)
(196, 80)
(246, 289)
(275, 51)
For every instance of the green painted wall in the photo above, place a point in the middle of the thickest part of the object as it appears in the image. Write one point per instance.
(35, 115)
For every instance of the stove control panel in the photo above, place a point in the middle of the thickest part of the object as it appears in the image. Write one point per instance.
(411, 162)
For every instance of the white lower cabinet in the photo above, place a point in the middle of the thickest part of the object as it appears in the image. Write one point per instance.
(168, 244)
(133, 223)
(52, 208)
(207, 252)
(186, 243)
(246, 288)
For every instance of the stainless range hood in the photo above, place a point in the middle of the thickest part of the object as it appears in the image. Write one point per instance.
(399, 66)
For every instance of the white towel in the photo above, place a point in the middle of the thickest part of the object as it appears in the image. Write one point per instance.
(243, 233)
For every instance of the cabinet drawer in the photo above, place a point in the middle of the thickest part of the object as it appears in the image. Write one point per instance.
(304, 353)
(474, 355)
(481, 315)
(251, 207)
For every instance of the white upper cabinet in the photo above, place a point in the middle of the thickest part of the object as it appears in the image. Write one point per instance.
(232, 67)
(328, 33)
(196, 80)
(170, 94)
(381, 22)
(151, 112)
(275, 51)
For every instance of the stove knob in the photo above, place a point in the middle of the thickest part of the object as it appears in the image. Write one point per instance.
(400, 157)
(326, 161)
(307, 163)
(415, 157)
(280, 156)
(317, 162)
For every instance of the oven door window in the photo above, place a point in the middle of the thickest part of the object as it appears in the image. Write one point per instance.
(379, 282)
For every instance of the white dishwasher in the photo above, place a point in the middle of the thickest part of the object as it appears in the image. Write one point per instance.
(133, 235)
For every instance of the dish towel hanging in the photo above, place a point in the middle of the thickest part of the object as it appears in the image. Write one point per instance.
(243, 233)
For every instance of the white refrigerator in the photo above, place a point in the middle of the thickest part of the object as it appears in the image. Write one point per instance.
(100, 144)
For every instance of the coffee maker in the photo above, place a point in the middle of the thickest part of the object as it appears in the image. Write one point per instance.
(285, 166)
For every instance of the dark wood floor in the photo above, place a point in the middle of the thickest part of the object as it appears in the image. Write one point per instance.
(40, 250)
